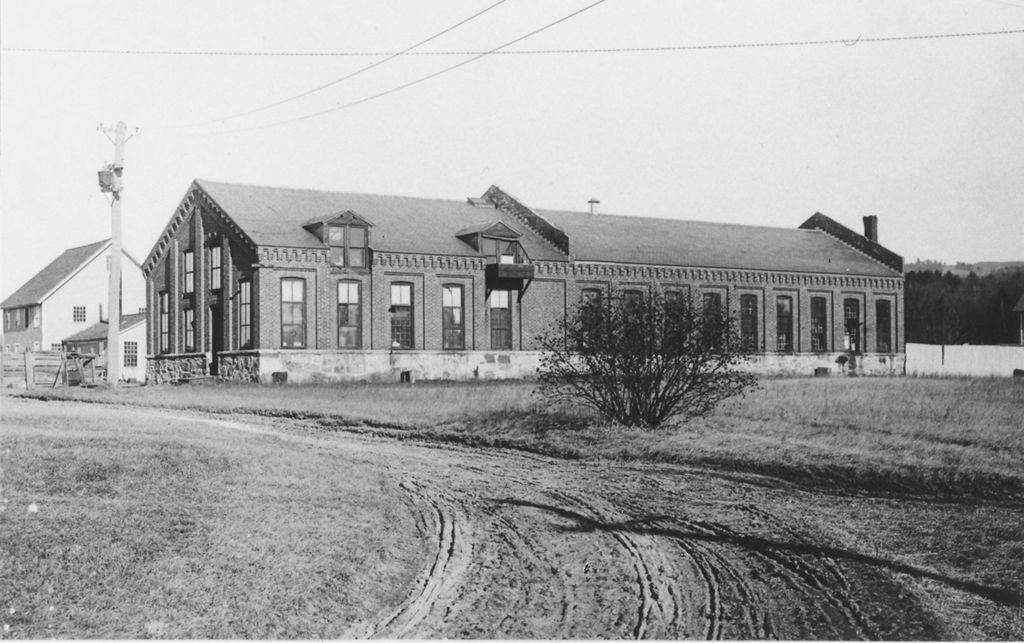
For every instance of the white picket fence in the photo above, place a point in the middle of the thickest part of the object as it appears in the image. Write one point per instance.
(983, 361)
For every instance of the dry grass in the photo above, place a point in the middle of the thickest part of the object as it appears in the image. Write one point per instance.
(173, 532)
(878, 435)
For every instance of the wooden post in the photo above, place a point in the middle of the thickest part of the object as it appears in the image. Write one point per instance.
(30, 374)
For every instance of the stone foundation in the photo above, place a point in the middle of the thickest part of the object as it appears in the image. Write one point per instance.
(305, 366)
(311, 366)
(169, 368)
(803, 365)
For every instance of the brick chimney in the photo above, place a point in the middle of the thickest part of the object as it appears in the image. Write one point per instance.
(871, 228)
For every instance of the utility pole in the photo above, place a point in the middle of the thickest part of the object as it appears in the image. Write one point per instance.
(110, 181)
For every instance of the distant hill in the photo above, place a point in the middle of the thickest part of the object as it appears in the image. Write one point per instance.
(962, 269)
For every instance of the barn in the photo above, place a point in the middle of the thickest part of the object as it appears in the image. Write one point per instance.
(265, 283)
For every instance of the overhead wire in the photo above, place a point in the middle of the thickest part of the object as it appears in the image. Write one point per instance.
(357, 72)
(423, 78)
(517, 52)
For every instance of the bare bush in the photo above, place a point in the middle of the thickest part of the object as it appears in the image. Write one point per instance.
(640, 359)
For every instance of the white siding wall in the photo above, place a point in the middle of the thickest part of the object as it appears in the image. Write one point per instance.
(136, 334)
(928, 359)
(88, 288)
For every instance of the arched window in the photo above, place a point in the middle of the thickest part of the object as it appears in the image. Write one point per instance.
(293, 313)
(401, 316)
(819, 324)
(500, 305)
(748, 322)
(349, 315)
(453, 322)
(784, 323)
(851, 317)
(883, 323)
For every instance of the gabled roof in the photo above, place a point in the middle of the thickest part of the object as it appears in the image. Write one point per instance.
(98, 331)
(276, 216)
(700, 244)
(39, 287)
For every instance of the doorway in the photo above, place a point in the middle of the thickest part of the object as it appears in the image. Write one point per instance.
(216, 338)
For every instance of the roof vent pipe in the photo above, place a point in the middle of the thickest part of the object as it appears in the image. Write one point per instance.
(871, 228)
(593, 202)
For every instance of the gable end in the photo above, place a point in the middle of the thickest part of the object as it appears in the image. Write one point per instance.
(856, 241)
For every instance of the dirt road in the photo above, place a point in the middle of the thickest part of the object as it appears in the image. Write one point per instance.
(529, 547)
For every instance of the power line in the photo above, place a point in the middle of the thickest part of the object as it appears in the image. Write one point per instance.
(520, 52)
(389, 58)
(424, 78)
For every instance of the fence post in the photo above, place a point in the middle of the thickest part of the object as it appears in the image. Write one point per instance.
(30, 373)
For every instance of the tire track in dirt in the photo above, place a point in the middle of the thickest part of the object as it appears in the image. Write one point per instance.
(451, 555)
(832, 585)
(715, 583)
(658, 602)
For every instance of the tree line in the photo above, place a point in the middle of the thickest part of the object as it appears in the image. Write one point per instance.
(944, 308)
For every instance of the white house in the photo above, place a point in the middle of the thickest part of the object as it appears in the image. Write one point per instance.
(67, 296)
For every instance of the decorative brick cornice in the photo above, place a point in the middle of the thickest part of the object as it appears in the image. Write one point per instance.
(276, 256)
(427, 262)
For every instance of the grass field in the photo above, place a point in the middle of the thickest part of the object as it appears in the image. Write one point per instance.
(112, 531)
(958, 437)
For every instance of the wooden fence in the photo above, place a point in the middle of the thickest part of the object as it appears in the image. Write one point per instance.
(48, 369)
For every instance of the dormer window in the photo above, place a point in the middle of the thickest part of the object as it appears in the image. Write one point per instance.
(502, 250)
(348, 245)
(347, 235)
(496, 241)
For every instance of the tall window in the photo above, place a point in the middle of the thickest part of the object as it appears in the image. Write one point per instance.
(244, 314)
(215, 267)
(453, 323)
(501, 320)
(349, 317)
(190, 330)
(748, 322)
(35, 316)
(883, 320)
(851, 317)
(348, 245)
(401, 315)
(189, 261)
(293, 313)
(819, 324)
(784, 323)
(165, 325)
(78, 314)
(131, 353)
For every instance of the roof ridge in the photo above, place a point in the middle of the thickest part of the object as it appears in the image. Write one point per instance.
(324, 191)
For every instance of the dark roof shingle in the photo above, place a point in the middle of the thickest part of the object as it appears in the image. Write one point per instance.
(44, 281)
(702, 244)
(275, 216)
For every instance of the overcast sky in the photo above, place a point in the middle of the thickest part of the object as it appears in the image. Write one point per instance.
(928, 134)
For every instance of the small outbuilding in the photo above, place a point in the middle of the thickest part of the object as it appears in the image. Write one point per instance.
(93, 341)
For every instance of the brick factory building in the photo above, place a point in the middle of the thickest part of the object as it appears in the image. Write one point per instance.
(262, 284)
